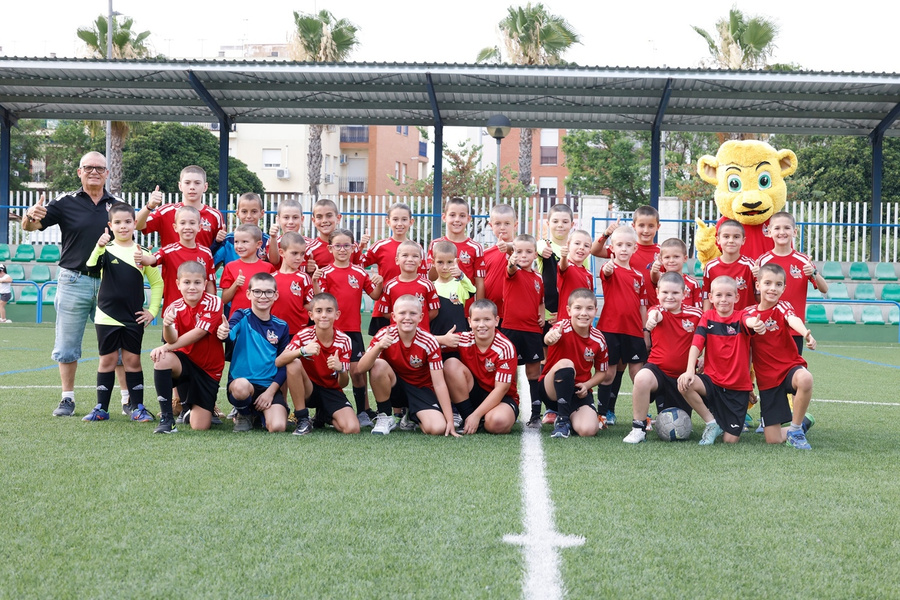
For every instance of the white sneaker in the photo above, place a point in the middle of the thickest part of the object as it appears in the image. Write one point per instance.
(636, 436)
(384, 424)
(457, 421)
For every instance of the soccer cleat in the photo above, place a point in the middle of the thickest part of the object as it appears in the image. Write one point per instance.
(141, 414)
(549, 418)
(636, 436)
(126, 408)
(808, 422)
(710, 433)
(407, 424)
(610, 418)
(603, 424)
(242, 423)
(66, 408)
(797, 439)
(762, 426)
(183, 417)
(534, 422)
(217, 416)
(384, 424)
(96, 414)
(304, 426)
(561, 429)
(230, 415)
(457, 421)
(166, 425)
(364, 420)
(649, 423)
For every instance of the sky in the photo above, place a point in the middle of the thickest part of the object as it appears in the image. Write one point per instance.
(859, 36)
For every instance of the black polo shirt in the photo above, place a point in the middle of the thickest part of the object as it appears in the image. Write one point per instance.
(81, 222)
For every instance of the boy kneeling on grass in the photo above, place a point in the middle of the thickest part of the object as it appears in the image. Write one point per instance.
(254, 382)
(406, 370)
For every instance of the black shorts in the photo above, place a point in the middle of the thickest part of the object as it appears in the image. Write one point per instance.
(801, 343)
(666, 394)
(575, 403)
(6, 297)
(258, 390)
(628, 349)
(773, 403)
(405, 395)
(357, 346)
(195, 386)
(478, 394)
(377, 323)
(529, 345)
(128, 337)
(729, 407)
(327, 400)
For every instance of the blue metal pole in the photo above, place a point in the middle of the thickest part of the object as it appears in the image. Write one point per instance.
(656, 146)
(224, 129)
(877, 167)
(437, 200)
(6, 124)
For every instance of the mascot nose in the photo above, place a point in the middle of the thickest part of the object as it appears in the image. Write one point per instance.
(751, 205)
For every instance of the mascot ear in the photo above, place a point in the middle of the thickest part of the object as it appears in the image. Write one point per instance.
(707, 168)
(787, 160)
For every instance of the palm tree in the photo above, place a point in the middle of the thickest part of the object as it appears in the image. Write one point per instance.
(126, 43)
(531, 36)
(744, 43)
(321, 37)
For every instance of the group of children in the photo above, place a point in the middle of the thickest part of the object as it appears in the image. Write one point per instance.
(449, 327)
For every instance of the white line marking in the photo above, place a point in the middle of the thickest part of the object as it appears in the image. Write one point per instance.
(861, 402)
(44, 387)
(540, 539)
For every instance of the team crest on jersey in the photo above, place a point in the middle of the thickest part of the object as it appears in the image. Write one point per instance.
(465, 258)
(454, 298)
(796, 273)
(730, 330)
(271, 336)
(771, 325)
(687, 325)
(741, 283)
(205, 225)
(421, 298)
(537, 286)
(296, 288)
(489, 365)
(765, 229)
(415, 362)
(637, 286)
(353, 281)
(588, 354)
(201, 261)
(108, 206)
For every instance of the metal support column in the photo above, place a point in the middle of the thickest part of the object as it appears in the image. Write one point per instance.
(7, 121)
(437, 198)
(224, 130)
(876, 138)
(656, 147)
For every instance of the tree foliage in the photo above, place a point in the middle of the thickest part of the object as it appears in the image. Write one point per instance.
(743, 42)
(27, 140)
(66, 144)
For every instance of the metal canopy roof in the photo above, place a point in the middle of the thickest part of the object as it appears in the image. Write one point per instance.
(465, 95)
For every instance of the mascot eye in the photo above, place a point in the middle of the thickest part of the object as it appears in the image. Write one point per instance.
(765, 181)
(734, 183)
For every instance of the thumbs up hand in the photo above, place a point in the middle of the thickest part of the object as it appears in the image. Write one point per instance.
(156, 198)
(104, 238)
(38, 211)
(223, 330)
(240, 278)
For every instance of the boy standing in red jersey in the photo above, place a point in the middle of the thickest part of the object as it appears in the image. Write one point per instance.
(409, 282)
(154, 218)
(731, 263)
(672, 256)
(247, 241)
(169, 258)
(469, 253)
(503, 223)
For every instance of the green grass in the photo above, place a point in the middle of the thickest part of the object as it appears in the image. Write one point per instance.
(92, 510)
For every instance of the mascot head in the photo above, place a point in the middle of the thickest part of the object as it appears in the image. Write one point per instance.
(749, 179)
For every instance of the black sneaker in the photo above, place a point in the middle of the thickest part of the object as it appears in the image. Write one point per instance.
(166, 425)
(304, 426)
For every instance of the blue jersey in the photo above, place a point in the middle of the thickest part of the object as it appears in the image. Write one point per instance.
(223, 253)
(256, 345)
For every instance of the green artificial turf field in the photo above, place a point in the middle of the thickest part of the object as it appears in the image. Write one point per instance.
(93, 510)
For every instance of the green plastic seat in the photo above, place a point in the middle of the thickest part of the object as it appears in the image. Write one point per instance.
(4, 253)
(688, 267)
(29, 295)
(894, 315)
(832, 270)
(859, 271)
(891, 292)
(49, 254)
(812, 291)
(838, 291)
(864, 291)
(24, 253)
(40, 274)
(698, 270)
(815, 313)
(49, 294)
(872, 315)
(17, 272)
(885, 272)
(843, 315)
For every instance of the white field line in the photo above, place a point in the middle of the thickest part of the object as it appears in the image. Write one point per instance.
(540, 539)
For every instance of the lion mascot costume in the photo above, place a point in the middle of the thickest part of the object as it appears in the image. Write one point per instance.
(749, 179)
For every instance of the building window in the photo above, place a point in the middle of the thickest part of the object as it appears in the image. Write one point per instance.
(271, 158)
(403, 173)
(397, 170)
(549, 146)
(548, 155)
(547, 190)
(406, 130)
(399, 129)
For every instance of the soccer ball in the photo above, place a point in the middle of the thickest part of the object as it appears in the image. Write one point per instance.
(673, 424)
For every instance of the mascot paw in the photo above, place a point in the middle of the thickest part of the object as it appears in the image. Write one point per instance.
(705, 242)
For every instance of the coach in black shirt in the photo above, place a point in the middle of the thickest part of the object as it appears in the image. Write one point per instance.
(82, 218)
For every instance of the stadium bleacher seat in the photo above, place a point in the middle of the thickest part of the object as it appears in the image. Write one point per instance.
(812, 291)
(838, 291)
(698, 270)
(688, 267)
(815, 313)
(29, 295)
(219, 272)
(40, 274)
(843, 315)
(49, 294)
(4, 252)
(885, 272)
(871, 315)
(864, 291)
(891, 291)
(16, 271)
(49, 254)
(859, 271)
(894, 315)
(832, 270)
(24, 253)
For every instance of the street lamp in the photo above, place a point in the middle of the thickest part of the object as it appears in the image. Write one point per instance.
(498, 127)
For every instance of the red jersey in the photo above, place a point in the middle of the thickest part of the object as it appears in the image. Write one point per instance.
(757, 239)
(693, 292)
(672, 338)
(573, 278)
(727, 344)
(347, 285)
(469, 253)
(523, 294)
(774, 352)
(586, 352)
(162, 221)
(316, 366)
(383, 254)
(497, 364)
(420, 287)
(294, 293)
(412, 364)
(623, 296)
(495, 264)
(169, 258)
(318, 250)
(739, 270)
(208, 352)
(264, 251)
(231, 272)
(794, 279)
(642, 261)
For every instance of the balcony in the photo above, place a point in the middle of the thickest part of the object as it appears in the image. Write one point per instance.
(354, 185)
(355, 134)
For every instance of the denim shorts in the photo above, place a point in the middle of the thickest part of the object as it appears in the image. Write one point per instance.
(75, 303)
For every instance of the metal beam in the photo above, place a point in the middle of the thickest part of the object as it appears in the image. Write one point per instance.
(437, 197)
(656, 146)
(7, 121)
(876, 138)
(224, 128)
